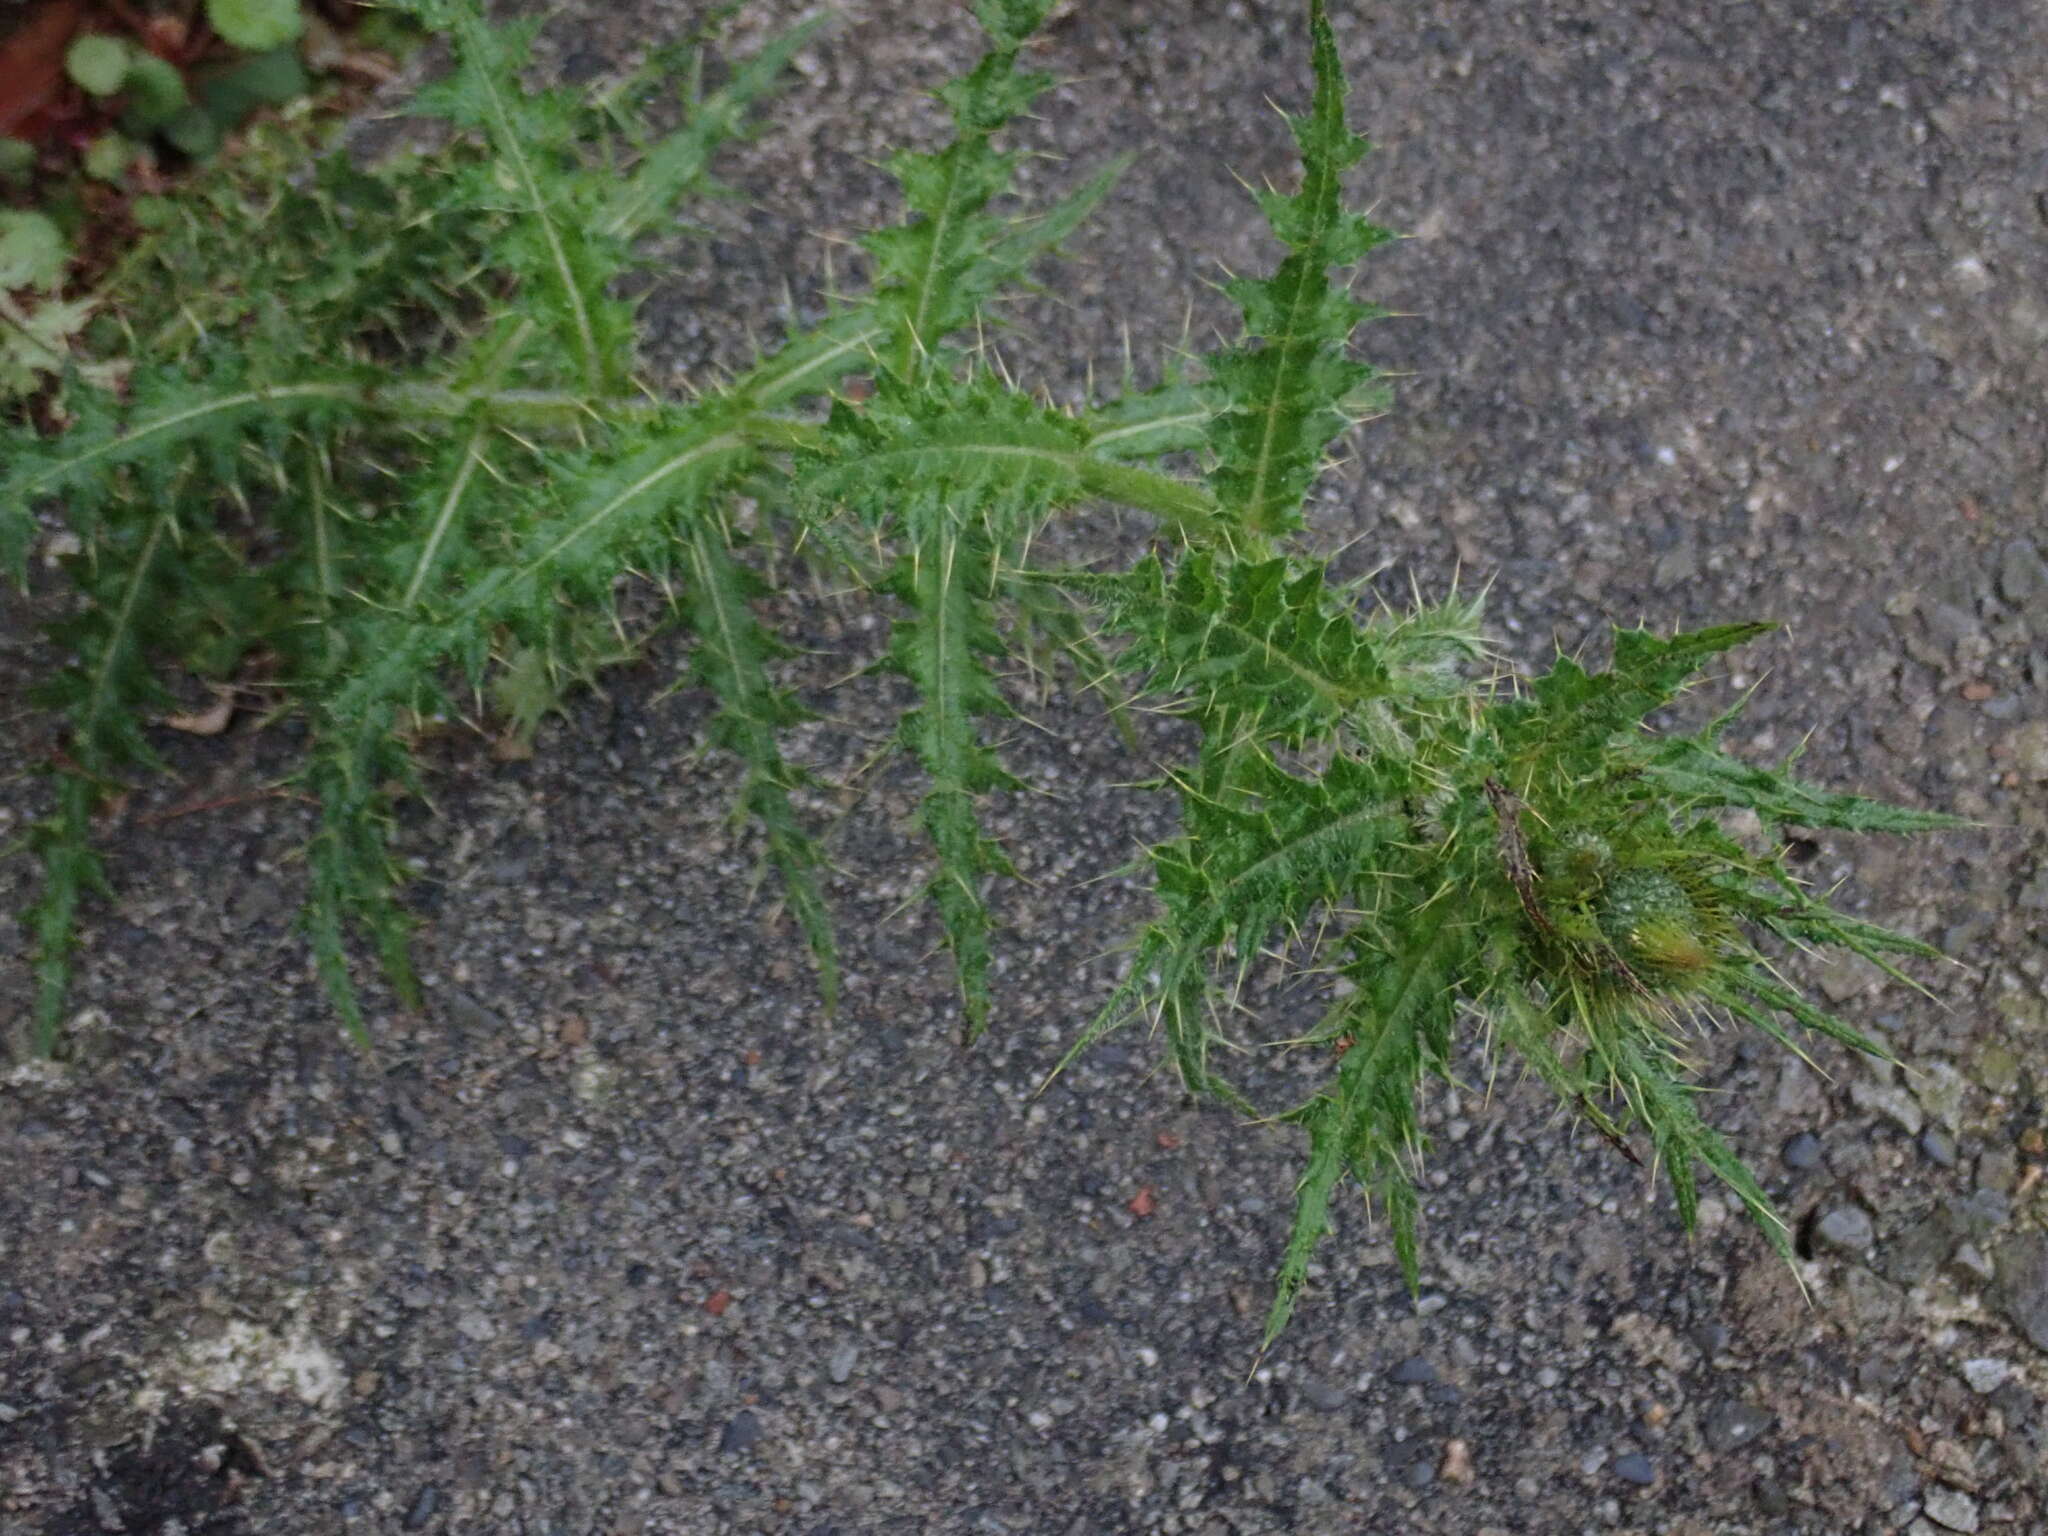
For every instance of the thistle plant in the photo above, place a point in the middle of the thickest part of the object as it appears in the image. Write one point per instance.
(444, 504)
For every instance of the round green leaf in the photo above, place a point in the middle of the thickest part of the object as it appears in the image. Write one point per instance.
(98, 63)
(262, 80)
(255, 25)
(193, 132)
(155, 91)
(108, 157)
(153, 213)
(17, 158)
(32, 253)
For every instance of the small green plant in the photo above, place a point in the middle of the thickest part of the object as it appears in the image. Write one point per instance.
(402, 451)
(152, 93)
(134, 109)
(256, 25)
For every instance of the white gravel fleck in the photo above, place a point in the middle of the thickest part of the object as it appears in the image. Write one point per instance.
(1951, 1508)
(1986, 1374)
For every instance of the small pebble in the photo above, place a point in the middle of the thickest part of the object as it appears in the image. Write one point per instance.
(1801, 1152)
(1323, 1397)
(1997, 1169)
(2022, 573)
(1413, 1372)
(1094, 1313)
(1846, 1229)
(1951, 1508)
(1941, 1090)
(424, 1503)
(741, 1433)
(1938, 1148)
(1890, 1101)
(1635, 1468)
(1972, 1261)
(1980, 1213)
(1985, 1374)
(1997, 1067)
(841, 1364)
(1731, 1425)
(1922, 1248)
(2027, 747)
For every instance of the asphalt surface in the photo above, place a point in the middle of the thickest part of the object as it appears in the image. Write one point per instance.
(1710, 312)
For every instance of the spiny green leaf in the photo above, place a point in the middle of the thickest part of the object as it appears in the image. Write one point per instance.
(1280, 391)
(1406, 992)
(1010, 23)
(1263, 859)
(1689, 768)
(1571, 717)
(1683, 1139)
(814, 360)
(174, 415)
(946, 580)
(550, 243)
(1647, 672)
(71, 871)
(932, 272)
(101, 698)
(677, 165)
(1174, 418)
(1327, 1167)
(1816, 922)
(1773, 994)
(730, 659)
(916, 450)
(353, 879)
(1268, 646)
(613, 517)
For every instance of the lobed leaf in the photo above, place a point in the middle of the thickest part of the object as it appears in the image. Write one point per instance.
(173, 415)
(1689, 768)
(1396, 1023)
(1281, 393)
(678, 164)
(947, 581)
(933, 272)
(730, 658)
(557, 242)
